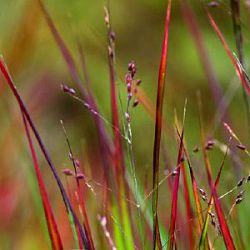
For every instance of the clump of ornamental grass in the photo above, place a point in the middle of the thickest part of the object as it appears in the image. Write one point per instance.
(125, 219)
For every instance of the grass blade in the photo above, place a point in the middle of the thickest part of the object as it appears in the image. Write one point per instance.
(158, 124)
(51, 222)
(223, 224)
(235, 9)
(189, 211)
(237, 65)
(175, 195)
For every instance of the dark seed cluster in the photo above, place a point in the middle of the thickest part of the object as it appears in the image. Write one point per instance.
(132, 85)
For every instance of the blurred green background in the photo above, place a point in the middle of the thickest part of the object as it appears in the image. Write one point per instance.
(38, 69)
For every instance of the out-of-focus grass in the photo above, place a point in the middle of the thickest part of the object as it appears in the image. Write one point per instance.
(38, 69)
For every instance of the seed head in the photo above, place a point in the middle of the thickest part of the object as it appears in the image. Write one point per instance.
(68, 172)
(68, 89)
(240, 195)
(138, 82)
(248, 178)
(212, 214)
(174, 173)
(136, 102)
(213, 222)
(213, 4)
(238, 200)
(204, 197)
(77, 162)
(132, 68)
(112, 36)
(202, 192)
(80, 176)
(241, 146)
(127, 116)
(195, 149)
(209, 145)
(240, 182)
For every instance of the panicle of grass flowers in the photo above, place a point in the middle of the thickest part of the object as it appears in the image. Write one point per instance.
(132, 85)
(239, 198)
(72, 93)
(214, 222)
(240, 183)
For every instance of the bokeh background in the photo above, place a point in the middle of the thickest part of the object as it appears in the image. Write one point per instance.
(38, 70)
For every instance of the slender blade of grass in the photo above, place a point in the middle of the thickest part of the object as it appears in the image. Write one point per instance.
(235, 9)
(237, 65)
(175, 195)
(189, 212)
(196, 198)
(51, 222)
(223, 224)
(158, 125)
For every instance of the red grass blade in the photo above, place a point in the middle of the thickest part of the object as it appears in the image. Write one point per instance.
(189, 211)
(158, 124)
(175, 195)
(210, 205)
(238, 67)
(196, 198)
(223, 224)
(25, 112)
(235, 9)
(51, 222)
